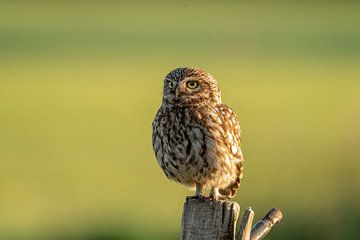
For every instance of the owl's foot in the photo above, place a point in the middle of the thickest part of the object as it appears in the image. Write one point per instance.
(197, 197)
(224, 198)
(219, 197)
(215, 195)
(198, 193)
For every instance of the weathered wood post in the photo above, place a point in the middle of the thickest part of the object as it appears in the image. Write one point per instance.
(209, 219)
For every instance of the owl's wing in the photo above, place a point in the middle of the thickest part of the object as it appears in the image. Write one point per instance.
(232, 140)
(232, 131)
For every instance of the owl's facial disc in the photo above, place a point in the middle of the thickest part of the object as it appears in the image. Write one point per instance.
(190, 87)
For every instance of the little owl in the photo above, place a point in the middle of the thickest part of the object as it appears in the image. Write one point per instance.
(196, 138)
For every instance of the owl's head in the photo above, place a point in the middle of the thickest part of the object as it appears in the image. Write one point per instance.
(190, 86)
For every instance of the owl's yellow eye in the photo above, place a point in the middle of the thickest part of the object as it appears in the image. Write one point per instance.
(170, 84)
(192, 84)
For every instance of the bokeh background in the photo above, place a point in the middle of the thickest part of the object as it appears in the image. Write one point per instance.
(80, 83)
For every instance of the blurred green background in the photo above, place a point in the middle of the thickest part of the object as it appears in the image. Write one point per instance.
(80, 83)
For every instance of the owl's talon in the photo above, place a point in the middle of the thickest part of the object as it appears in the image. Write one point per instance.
(212, 198)
(224, 198)
(218, 198)
(198, 197)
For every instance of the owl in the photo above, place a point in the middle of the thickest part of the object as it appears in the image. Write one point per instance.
(195, 137)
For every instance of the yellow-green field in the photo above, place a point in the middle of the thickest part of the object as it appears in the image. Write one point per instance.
(80, 83)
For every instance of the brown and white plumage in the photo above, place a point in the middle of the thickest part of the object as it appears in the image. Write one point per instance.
(196, 138)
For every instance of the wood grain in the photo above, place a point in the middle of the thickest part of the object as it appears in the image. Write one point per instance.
(209, 219)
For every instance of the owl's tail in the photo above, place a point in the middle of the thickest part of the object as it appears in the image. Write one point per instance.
(230, 190)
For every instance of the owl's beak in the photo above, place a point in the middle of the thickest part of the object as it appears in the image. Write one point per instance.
(177, 91)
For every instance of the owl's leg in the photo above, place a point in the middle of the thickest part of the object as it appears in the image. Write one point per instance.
(214, 193)
(198, 192)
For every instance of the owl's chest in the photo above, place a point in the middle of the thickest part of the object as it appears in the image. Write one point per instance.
(178, 132)
(182, 136)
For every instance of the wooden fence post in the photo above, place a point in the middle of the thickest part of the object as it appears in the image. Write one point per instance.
(209, 219)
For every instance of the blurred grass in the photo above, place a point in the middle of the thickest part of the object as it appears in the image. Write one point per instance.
(80, 83)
